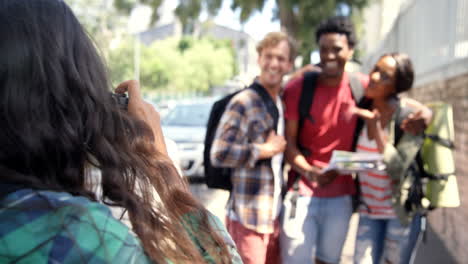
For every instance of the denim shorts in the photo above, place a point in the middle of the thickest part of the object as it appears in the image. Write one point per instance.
(317, 230)
(381, 240)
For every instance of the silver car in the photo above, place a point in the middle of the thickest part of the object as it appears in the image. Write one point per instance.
(185, 123)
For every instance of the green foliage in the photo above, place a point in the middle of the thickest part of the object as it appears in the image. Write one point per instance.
(247, 7)
(184, 44)
(102, 26)
(299, 18)
(120, 62)
(358, 20)
(199, 65)
(126, 6)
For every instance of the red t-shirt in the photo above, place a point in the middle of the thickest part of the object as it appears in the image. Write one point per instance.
(332, 129)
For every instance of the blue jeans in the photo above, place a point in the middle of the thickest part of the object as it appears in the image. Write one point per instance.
(318, 229)
(384, 239)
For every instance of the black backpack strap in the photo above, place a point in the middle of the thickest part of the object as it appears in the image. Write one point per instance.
(442, 141)
(401, 114)
(216, 177)
(305, 102)
(271, 108)
(269, 102)
(357, 91)
(307, 96)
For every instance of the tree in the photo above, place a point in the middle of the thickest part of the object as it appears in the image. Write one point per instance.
(299, 18)
(176, 65)
(127, 5)
(102, 26)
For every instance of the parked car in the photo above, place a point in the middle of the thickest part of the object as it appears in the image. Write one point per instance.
(186, 123)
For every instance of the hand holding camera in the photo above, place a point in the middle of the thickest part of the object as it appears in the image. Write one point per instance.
(121, 100)
(142, 110)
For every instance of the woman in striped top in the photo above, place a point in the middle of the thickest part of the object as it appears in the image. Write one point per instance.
(381, 236)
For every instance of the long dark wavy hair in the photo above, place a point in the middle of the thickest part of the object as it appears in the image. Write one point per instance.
(58, 119)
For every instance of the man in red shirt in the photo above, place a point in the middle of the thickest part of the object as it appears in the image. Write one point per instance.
(319, 226)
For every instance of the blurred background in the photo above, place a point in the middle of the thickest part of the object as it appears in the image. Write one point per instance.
(188, 53)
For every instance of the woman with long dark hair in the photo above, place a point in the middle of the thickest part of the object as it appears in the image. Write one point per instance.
(383, 234)
(58, 124)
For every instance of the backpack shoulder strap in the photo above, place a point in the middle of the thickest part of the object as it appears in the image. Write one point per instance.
(401, 113)
(357, 91)
(395, 131)
(305, 102)
(356, 87)
(269, 102)
(408, 145)
(307, 95)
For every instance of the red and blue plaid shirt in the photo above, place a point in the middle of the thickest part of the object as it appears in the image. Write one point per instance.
(244, 123)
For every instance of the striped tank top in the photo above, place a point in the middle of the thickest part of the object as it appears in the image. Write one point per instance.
(376, 189)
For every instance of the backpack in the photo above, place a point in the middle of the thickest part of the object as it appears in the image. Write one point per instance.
(305, 103)
(426, 175)
(218, 177)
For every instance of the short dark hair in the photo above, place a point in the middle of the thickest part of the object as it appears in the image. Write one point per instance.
(337, 24)
(404, 74)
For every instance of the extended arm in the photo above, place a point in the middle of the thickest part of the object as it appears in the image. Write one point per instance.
(300, 72)
(416, 123)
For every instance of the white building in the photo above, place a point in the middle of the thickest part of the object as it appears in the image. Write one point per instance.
(434, 33)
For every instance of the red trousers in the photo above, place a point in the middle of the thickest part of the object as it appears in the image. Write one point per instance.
(254, 247)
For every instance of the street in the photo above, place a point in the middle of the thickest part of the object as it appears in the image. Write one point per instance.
(215, 201)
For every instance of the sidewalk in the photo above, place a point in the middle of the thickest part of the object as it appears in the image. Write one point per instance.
(215, 202)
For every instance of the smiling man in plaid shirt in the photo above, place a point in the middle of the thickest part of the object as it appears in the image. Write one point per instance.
(248, 141)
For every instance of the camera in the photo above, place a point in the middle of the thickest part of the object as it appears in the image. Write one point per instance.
(121, 100)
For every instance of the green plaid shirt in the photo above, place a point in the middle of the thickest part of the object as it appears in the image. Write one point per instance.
(56, 227)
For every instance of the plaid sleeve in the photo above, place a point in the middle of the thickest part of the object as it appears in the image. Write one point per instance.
(191, 223)
(98, 237)
(221, 229)
(57, 227)
(231, 147)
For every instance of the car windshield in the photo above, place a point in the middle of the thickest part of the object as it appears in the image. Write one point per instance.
(188, 115)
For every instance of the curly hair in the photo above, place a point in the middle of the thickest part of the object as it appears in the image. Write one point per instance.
(58, 119)
(337, 24)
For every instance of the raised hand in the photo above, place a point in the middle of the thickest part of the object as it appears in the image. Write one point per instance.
(273, 145)
(144, 111)
(414, 123)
